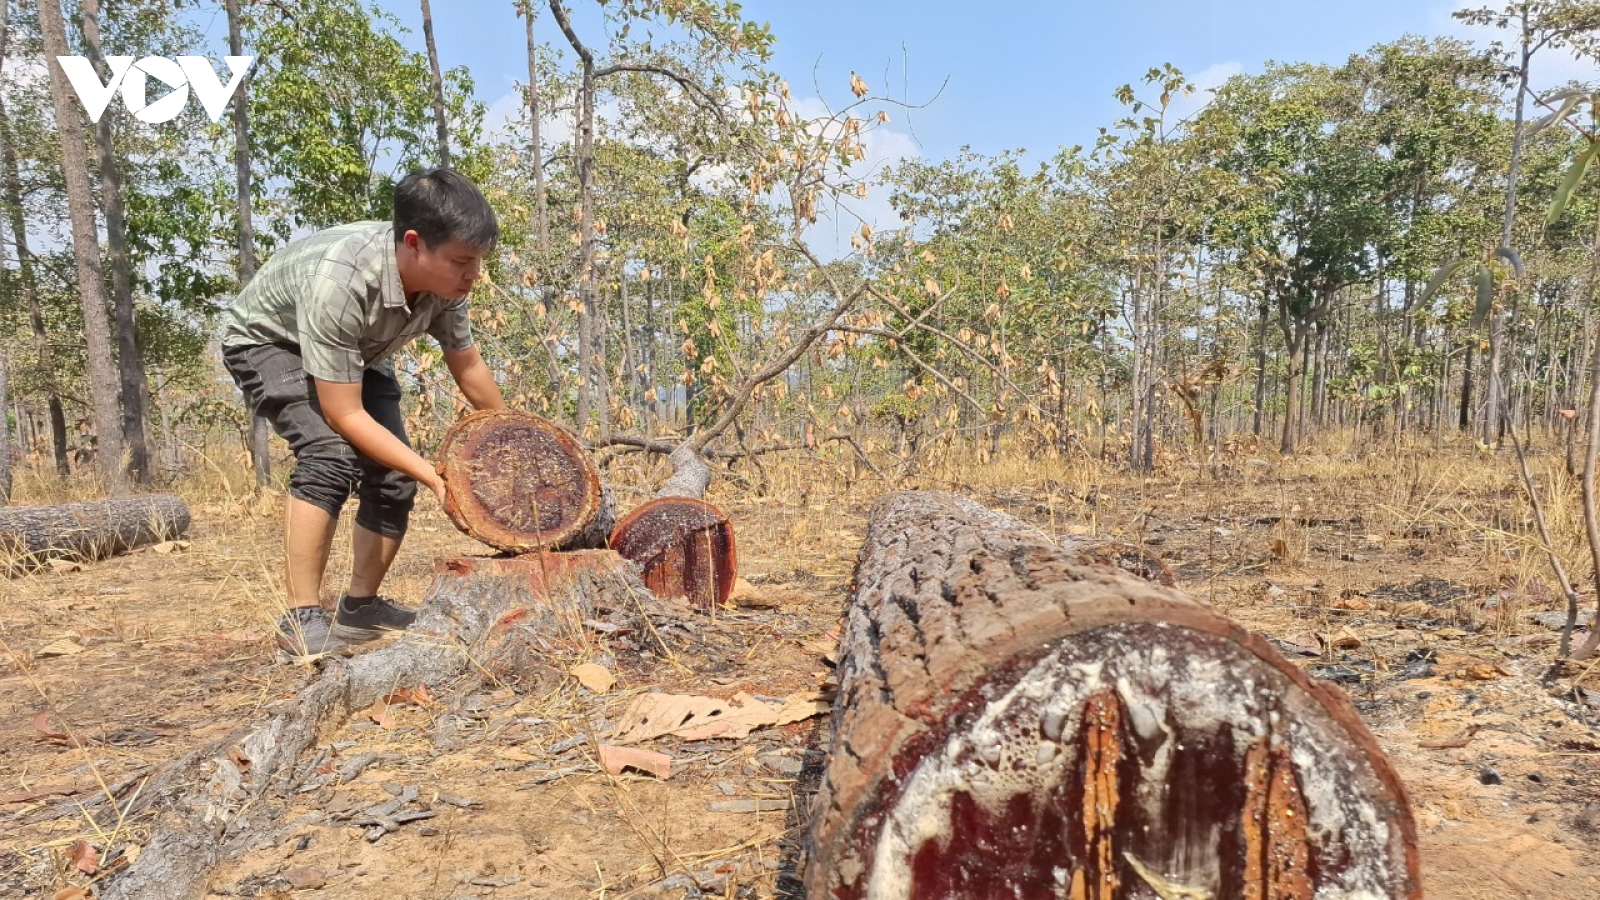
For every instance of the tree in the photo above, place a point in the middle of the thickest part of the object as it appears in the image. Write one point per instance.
(134, 388)
(103, 377)
(257, 440)
(437, 81)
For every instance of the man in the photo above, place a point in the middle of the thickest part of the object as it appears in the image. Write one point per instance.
(308, 341)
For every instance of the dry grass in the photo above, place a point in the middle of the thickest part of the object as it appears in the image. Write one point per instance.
(1337, 538)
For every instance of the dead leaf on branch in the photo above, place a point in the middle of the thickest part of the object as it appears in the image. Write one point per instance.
(695, 718)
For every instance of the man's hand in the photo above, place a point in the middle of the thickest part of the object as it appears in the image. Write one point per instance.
(436, 484)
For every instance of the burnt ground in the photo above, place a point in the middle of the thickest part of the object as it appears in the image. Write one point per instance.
(1410, 582)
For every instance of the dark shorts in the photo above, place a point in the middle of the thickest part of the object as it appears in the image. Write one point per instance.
(327, 469)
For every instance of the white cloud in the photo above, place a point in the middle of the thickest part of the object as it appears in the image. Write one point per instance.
(1205, 82)
(1549, 69)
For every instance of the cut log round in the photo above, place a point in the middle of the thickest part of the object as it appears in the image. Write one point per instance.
(1014, 723)
(684, 548)
(30, 535)
(519, 482)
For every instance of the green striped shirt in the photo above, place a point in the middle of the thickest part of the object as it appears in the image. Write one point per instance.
(336, 296)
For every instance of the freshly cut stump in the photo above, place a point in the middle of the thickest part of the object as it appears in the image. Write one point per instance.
(30, 535)
(517, 481)
(1013, 723)
(684, 548)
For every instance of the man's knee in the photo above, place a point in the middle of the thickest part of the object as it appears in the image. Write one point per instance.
(325, 474)
(386, 504)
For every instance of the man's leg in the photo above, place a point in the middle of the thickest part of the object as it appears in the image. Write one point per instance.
(307, 538)
(381, 522)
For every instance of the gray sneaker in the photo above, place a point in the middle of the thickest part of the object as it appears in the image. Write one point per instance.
(370, 620)
(305, 634)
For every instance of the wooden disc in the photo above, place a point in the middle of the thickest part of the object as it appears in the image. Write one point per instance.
(517, 481)
(684, 547)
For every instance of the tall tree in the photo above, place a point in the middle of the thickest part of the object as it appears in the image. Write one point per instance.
(1538, 25)
(530, 11)
(257, 440)
(439, 121)
(10, 174)
(103, 376)
(133, 385)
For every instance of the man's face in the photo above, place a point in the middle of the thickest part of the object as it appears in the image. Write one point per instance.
(448, 270)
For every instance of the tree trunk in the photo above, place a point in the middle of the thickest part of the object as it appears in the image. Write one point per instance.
(256, 439)
(25, 272)
(1011, 722)
(88, 531)
(1261, 368)
(7, 454)
(1294, 336)
(86, 251)
(133, 384)
(1495, 388)
(536, 145)
(438, 86)
(1464, 418)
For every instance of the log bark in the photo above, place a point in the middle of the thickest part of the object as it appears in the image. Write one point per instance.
(1015, 722)
(31, 535)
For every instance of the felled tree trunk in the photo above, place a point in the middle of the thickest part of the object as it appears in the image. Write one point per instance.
(87, 531)
(216, 802)
(1014, 723)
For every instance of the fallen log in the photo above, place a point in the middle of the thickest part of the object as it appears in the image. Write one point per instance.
(684, 547)
(32, 535)
(221, 800)
(1014, 723)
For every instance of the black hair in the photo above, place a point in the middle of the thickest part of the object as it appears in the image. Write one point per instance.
(441, 205)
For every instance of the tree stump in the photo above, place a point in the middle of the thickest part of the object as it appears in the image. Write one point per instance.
(1014, 723)
(519, 482)
(683, 547)
(30, 535)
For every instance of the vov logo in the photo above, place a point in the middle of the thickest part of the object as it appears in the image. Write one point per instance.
(130, 77)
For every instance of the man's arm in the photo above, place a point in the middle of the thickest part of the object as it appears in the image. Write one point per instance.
(472, 375)
(341, 406)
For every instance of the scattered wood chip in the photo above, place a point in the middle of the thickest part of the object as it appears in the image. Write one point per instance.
(596, 678)
(696, 718)
(305, 878)
(48, 790)
(615, 759)
(60, 647)
(1452, 743)
(747, 805)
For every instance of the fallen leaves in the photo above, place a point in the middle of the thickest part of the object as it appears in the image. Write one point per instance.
(53, 735)
(695, 718)
(594, 677)
(84, 857)
(65, 646)
(381, 712)
(615, 759)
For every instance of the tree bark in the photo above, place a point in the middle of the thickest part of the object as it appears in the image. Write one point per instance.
(30, 535)
(133, 384)
(256, 438)
(7, 456)
(1011, 722)
(439, 121)
(535, 144)
(25, 272)
(103, 377)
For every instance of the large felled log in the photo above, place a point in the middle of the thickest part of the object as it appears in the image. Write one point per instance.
(1014, 723)
(92, 530)
(683, 547)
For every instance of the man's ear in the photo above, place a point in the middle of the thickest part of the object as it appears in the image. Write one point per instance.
(412, 240)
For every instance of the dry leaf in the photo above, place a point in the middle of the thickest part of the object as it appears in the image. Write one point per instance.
(71, 893)
(615, 759)
(514, 754)
(1452, 743)
(84, 857)
(170, 546)
(699, 718)
(60, 647)
(596, 678)
(382, 714)
(63, 566)
(50, 734)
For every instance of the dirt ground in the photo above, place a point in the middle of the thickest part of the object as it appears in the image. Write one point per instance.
(1408, 580)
